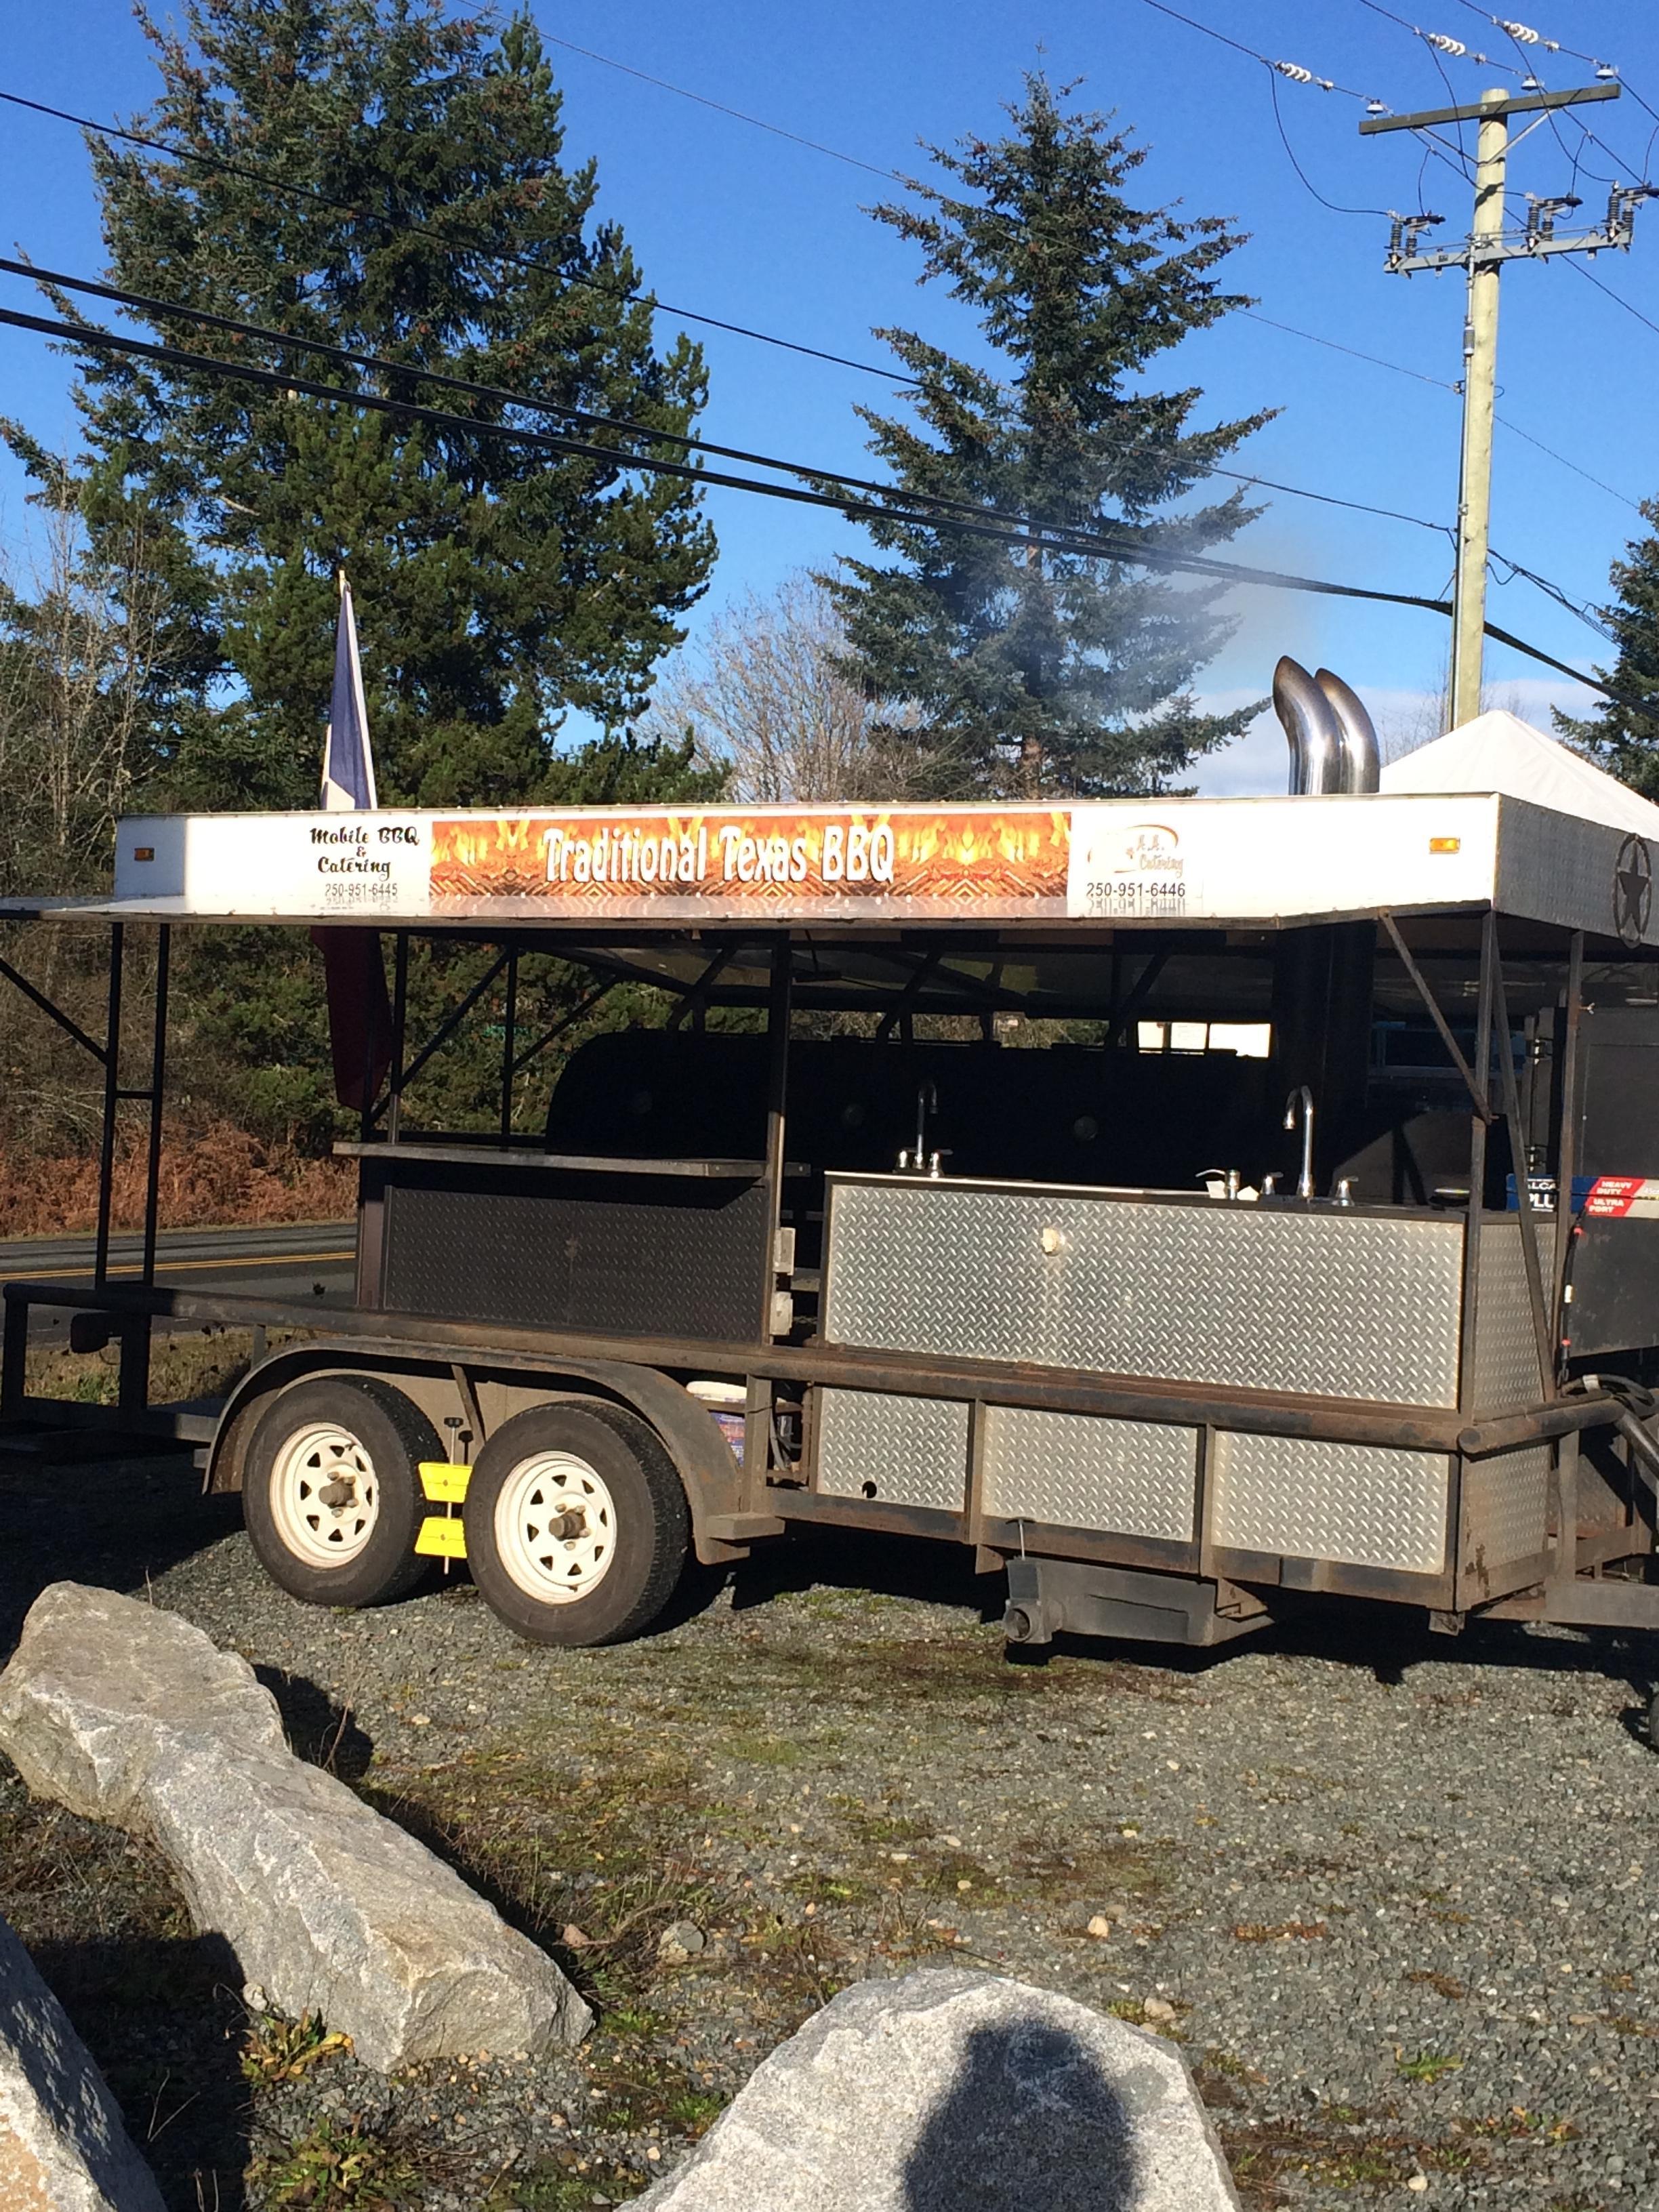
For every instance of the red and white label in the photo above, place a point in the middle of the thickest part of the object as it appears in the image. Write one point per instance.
(1620, 1198)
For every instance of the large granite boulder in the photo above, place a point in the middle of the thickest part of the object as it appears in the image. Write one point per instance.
(956, 2091)
(62, 2147)
(128, 1714)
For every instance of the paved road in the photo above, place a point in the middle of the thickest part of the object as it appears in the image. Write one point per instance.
(308, 1260)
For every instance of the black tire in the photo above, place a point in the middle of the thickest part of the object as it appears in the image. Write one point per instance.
(394, 1436)
(631, 1531)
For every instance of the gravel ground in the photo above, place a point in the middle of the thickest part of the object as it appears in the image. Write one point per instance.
(1393, 1894)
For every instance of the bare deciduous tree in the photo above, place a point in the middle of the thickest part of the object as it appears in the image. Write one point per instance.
(77, 648)
(764, 696)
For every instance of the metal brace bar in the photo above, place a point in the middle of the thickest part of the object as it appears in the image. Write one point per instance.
(1518, 1150)
(1140, 992)
(1477, 1092)
(696, 998)
(451, 1022)
(38, 998)
(565, 1021)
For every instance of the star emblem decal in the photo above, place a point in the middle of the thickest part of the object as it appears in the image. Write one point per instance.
(1632, 891)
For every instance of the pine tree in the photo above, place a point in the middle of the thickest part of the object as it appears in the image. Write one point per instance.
(1622, 735)
(1025, 670)
(424, 215)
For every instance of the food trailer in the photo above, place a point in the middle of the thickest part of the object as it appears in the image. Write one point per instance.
(943, 1201)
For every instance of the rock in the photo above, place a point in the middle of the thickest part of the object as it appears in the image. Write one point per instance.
(681, 1941)
(956, 2091)
(1158, 2008)
(62, 2146)
(1100, 1926)
(99, 1682)
(128, 1714)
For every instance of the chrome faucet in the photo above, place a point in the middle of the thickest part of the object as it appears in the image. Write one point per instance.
(927, 1103)
(918, 1163)
(1302, 1098)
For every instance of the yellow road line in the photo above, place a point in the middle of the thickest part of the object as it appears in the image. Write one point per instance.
(173, 1266)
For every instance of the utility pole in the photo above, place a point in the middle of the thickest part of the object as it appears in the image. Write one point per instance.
(1482, 256)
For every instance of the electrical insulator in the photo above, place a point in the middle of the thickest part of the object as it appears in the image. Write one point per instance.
(1522, 31)
(1606, 70)
(1446, 45)
(1295, 71)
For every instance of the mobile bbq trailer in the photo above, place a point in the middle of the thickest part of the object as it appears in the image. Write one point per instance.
(910, 1217)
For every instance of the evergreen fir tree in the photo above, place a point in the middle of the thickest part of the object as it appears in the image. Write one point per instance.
(1622, 735)
(1007, 669)
(424, 215)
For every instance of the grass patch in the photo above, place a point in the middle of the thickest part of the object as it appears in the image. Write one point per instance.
(335, 2169)
(278, 2050)
(1428, 2065)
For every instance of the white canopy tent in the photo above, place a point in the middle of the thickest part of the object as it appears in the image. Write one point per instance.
(1497, 751)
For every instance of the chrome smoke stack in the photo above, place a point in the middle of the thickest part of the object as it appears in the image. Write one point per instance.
(1312, 725)
(1361, 756)
(1332, 738)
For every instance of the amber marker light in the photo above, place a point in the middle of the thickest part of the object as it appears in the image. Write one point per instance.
(1445, 844)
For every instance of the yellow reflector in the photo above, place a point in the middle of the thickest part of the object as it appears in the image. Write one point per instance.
(1445, 844)
(442, 1538)
(443, 1484)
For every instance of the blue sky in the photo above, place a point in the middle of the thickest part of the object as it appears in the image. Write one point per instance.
(742, 225)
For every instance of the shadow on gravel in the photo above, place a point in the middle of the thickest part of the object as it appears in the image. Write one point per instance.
(854, 1560)
(163, 2018)
(114, 1523)
(1029, 2118)
(318, 1731)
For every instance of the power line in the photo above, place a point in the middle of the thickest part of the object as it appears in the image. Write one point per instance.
(160, 310)
(1131, 552)
(261, 176)
(1618, 298)
(738, 114)
(1336, 207)
(1516, 431)
(1418, 376)
(1293, 71)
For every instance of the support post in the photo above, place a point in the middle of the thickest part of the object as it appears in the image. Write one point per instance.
(112, 1104)
(399, 1012)
(509, 1038)
(777, 1124)
(158, 1069)
(1478, 1121)
(1566, 1150)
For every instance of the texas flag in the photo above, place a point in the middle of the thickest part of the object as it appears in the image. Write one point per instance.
(359, 1010)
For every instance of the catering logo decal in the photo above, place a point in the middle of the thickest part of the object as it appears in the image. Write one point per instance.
(592, 859)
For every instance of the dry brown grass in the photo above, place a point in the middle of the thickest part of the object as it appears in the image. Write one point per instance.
(215, 1174)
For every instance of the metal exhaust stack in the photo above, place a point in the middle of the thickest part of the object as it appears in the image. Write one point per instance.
(1311, 723)
(1361, 756)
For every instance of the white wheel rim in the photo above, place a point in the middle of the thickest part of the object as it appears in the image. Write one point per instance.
(325, 1495)
(555, 1528)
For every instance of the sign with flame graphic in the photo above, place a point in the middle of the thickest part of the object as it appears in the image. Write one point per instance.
(595, 861)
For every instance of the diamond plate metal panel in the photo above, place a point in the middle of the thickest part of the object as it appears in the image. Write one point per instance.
(1342, 1305)
(1505, 1507)
(912, 1450)
(1079, 1471)
(1506, 1374)
(1368, 1506)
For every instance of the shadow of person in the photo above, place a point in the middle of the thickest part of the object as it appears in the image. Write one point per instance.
(1030, 2121)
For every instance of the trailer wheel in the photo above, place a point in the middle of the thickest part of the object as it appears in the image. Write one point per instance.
(577, 1528)
(333, 1492)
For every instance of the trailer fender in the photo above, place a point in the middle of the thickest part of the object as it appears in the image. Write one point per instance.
(722, 1527)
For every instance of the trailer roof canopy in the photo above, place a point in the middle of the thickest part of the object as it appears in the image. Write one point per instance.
(851, 871)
